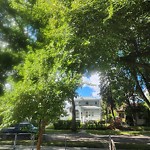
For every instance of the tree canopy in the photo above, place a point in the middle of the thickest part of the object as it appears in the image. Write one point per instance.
(114, 35)
(46, 46)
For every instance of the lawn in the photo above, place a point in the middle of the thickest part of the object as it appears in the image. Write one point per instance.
(94, 144)
(136, 131)
(89, 144)
(128, 146)
(118, 132)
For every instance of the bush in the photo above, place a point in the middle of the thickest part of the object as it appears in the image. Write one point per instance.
(65, 124)
(94, 125)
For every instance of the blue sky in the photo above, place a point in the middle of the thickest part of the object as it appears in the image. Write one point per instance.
(90, 86)
(85, 91)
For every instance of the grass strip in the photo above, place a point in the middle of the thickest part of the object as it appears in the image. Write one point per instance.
(118, 132)
(88, 144)
(77, 144)
(103, 132)
(130, 146)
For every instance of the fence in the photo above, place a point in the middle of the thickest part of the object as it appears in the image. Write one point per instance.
(16, 135)
(111, 144)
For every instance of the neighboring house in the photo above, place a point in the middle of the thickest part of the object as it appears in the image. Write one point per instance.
(86, 109)
(121, 113)
(137, 114)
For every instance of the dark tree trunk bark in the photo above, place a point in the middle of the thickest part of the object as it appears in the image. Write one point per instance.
(143, 95)
(132, 115)
(73, 127)
(111, 103)
(134, 110)
(107, 114)
(140, 89)
(146, 80)
(40, 134)
(112, 111)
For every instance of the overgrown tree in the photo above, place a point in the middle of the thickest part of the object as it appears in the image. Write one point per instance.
(45, 78)
(41, 93)
(111, 33)
(103, 34)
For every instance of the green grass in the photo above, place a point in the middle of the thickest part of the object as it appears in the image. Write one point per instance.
(52, 131)
(19, 142)
(136, 131)
(129, 146)
(96, 144)
(88, 144)
(118, 132)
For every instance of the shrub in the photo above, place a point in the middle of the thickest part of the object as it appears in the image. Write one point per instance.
(65, 124)
(94, 125)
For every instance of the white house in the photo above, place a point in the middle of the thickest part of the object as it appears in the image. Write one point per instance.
(87, 108)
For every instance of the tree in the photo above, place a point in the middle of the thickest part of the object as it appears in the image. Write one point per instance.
(135, 54)
(45, 75)
(112, 33)
(41, 93)
(13, 39)
(72, 36)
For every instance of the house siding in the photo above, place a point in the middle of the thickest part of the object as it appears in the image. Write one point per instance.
(86, 109)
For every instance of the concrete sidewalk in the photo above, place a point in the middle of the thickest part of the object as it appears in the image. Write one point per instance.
(99, 138)
(20, 147)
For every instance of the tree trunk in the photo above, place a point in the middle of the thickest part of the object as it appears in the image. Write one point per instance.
(111, 103)
(143, 95)
(112, 111)
(107, 118)
(132, 116)
(146, 80)
(140, 89)
(73, 128)
(40, 134)
(134, 111)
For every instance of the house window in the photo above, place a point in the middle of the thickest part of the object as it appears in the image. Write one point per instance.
(95, 103)
(86, 114)
(87, 103)
(92, 113)
(79, 104)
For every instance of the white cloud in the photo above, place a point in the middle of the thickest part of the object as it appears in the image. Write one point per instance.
(92, 82)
